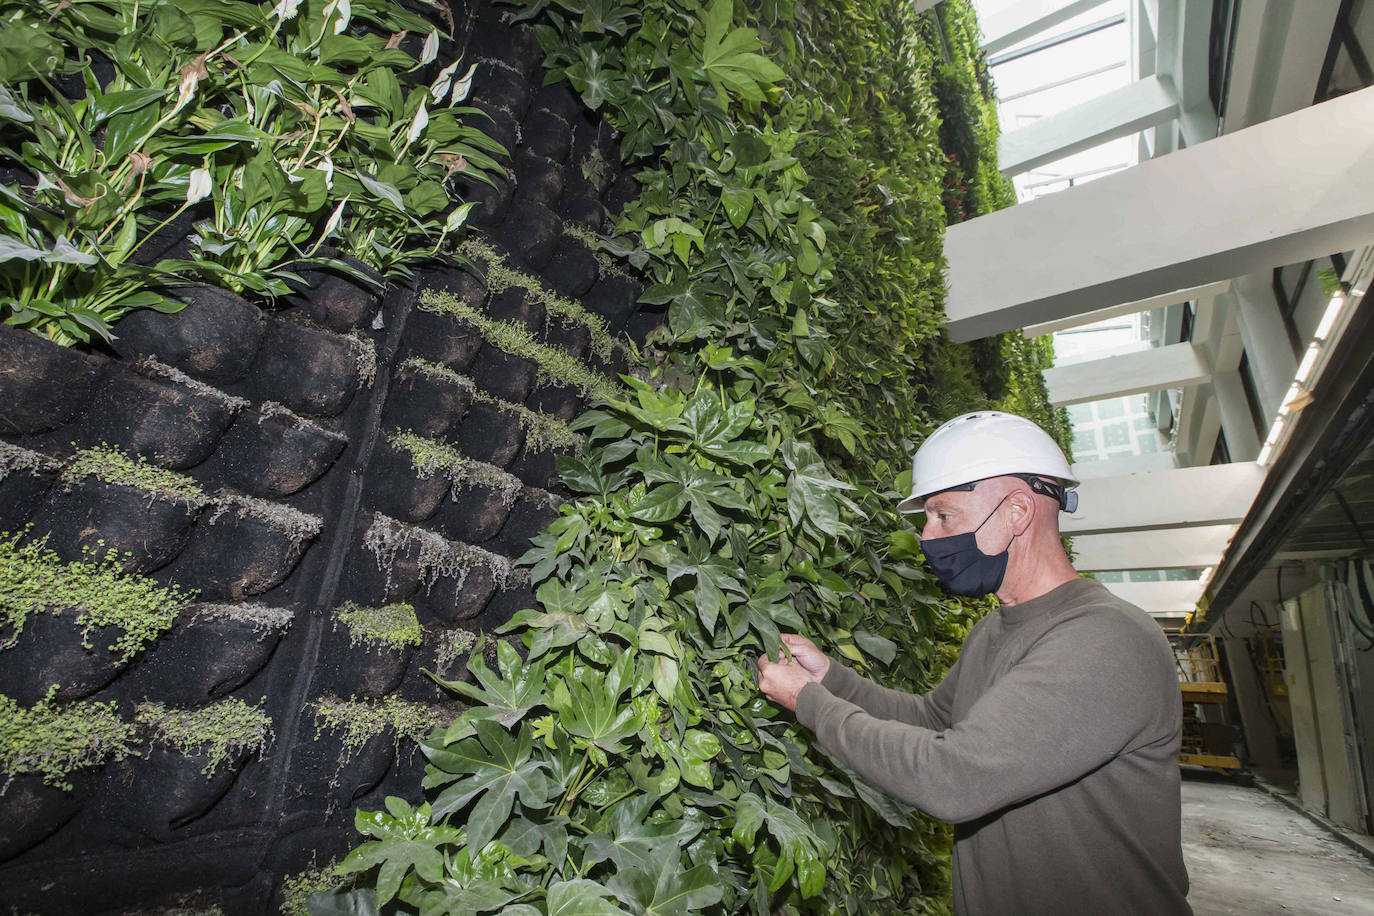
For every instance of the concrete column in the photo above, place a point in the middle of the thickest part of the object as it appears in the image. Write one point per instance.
(1174, 366)
(1271, 359)
(1280, 192)
(1119, 113)
(1236, 424)
(1028, 19)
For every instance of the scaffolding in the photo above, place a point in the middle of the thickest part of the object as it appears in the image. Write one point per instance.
(1206, 743)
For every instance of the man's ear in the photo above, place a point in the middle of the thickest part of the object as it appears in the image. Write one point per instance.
(1023, 507)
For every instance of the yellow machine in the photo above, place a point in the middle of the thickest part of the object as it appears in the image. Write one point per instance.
(1206, 743)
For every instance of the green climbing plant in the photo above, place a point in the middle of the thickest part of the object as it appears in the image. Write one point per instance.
(619, 758)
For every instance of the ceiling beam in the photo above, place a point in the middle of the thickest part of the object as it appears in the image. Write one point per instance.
(1171, 500)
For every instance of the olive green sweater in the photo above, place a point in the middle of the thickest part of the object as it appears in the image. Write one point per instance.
(1052, 745)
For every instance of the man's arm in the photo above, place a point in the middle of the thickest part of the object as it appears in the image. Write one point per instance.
(933, 710)
(1078, 698)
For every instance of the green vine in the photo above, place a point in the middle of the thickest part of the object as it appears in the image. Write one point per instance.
(217, 732)
(34, 581)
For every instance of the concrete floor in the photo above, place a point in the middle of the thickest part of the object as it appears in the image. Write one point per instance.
(1248, 853)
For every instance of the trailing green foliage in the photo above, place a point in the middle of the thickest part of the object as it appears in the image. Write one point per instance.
(217, 732)
(500, 277)
(541, 430)
(54, 740)
(110, 464)
(393, 626)
(430, 457)
(359, 721)
(554, 364)
(298, 888)
(34, 581)
(790, 221)
(274, 126)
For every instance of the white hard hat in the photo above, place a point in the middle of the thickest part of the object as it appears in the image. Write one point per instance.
(987, 443)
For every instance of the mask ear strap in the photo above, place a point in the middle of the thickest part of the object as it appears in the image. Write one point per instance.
(991, 514)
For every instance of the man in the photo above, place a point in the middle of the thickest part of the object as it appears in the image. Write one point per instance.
(1052, 743)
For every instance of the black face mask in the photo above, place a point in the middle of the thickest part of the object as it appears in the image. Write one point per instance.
(959, 563)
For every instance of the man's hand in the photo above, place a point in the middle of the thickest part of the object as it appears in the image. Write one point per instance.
(782, 681)
(813, 661)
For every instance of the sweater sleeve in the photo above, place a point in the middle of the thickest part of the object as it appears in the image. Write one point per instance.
(1081, 695)
(933, 710)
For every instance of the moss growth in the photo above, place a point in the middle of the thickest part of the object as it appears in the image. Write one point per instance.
(606, 265)
(392, 626)
(438, 556)
(541, 430)
(297, 889)
(152, 367)
(53, 741)
(13, 458)
(365, 352)
(110, 464)
(296, 525)
(33, 580)
(260, 617)
(359, 721)
(554, 365)
(269, 409)
(217, 731)
(453, 645)
(430, 457)
(501, 276)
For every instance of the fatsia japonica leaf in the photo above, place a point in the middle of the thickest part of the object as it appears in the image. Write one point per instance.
(580, 898)
(404, 841)
(664, 888)
(729, 58)
(506, 695)
(624, 838)
(495, 769)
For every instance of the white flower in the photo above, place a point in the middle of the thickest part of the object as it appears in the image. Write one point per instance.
(463, 86)
(443, 83)
(198, 188)
(345, 11)
(327, 166)
(286, 9)
(418, 125)
(431, 49)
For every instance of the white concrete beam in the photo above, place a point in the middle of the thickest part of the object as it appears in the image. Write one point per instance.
(1159, 599)
(1284, 191)
(1028, 19)
(1191, 294)
(1127, 464)
(1180, 498)
(920, 6)
(1174, 366)
(1165, 549)
(1119, 113)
